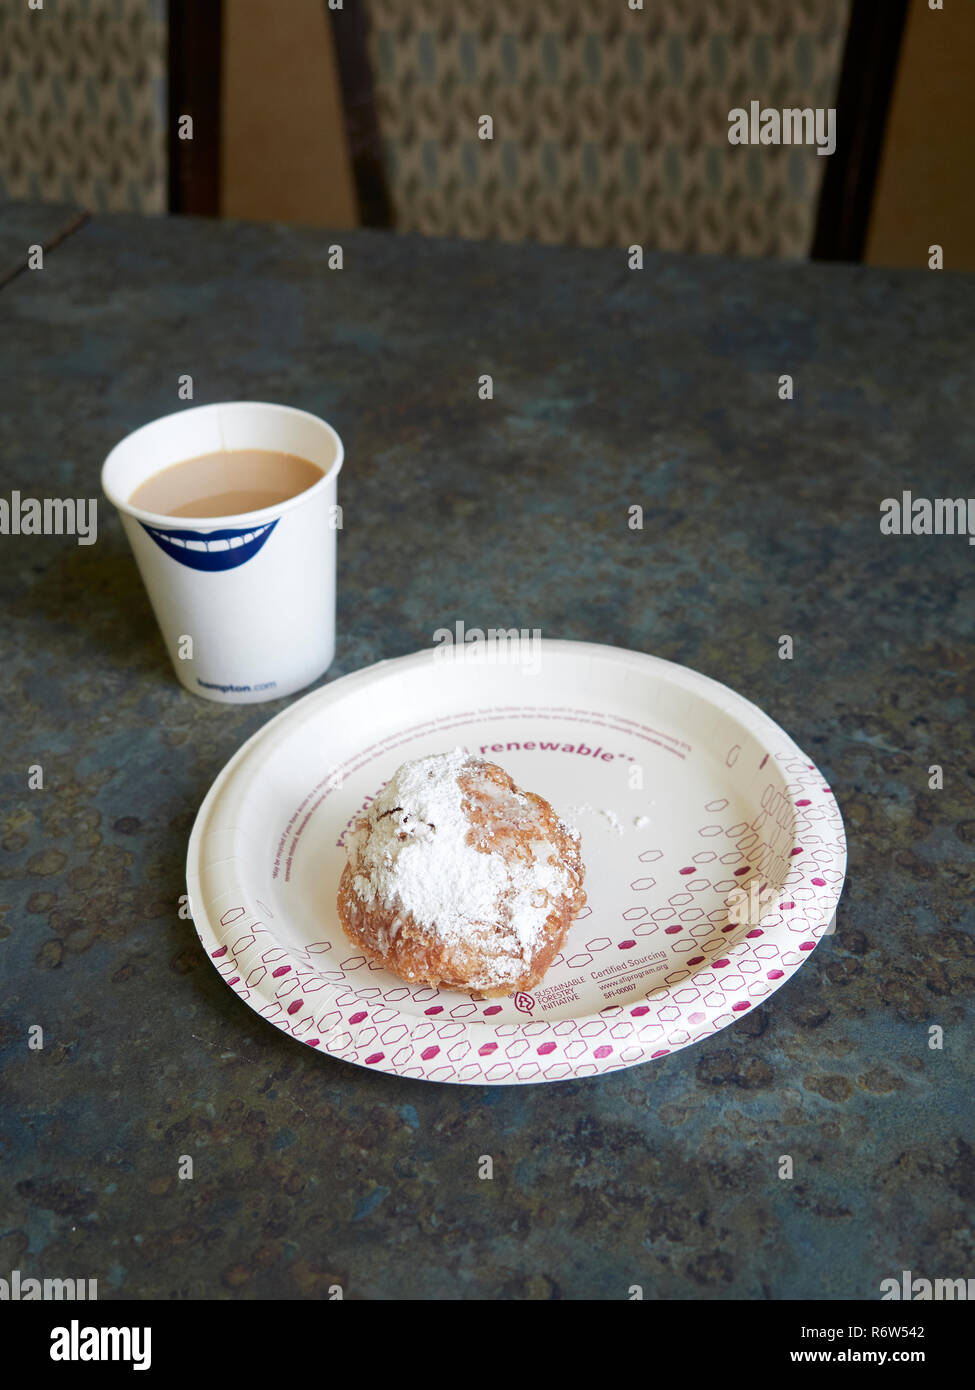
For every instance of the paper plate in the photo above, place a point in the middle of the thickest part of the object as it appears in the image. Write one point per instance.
(714, 854)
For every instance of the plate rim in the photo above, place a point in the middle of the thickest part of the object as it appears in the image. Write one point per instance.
(724, 695)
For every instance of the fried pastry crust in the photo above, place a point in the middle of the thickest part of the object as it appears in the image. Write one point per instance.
(485, 957)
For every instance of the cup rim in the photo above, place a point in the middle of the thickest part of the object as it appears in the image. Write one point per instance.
(207, 523)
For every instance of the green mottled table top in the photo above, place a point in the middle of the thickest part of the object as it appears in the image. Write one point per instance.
(612, 387)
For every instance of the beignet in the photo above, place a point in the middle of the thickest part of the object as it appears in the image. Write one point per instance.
(456, 877)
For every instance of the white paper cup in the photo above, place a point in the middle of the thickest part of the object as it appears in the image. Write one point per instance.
(253, 593)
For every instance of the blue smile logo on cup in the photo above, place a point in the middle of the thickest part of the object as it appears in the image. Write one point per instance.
(211, 550)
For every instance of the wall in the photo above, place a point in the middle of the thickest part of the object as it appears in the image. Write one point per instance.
(283, 155)
(925, 190)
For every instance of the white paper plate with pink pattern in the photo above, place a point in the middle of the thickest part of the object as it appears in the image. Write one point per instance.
(714, 852)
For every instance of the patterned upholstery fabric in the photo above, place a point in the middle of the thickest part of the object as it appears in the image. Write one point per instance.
(83, 103)
(610, 125)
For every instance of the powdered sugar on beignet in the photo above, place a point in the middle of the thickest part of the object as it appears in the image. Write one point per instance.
(455, 876)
